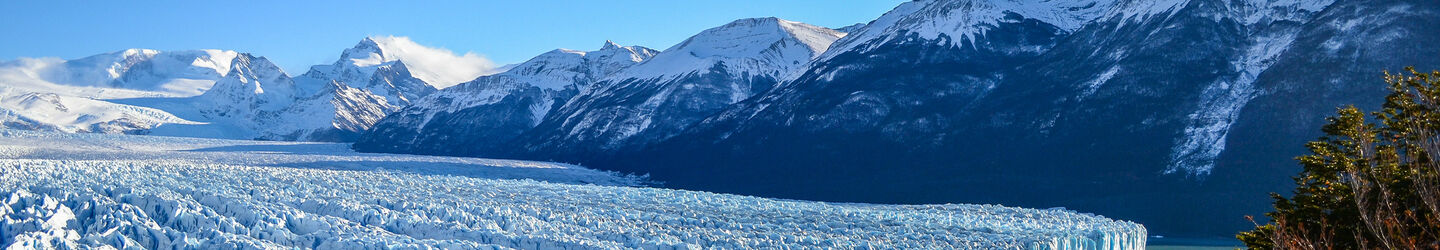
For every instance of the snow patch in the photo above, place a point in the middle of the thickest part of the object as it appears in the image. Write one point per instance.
(1094, 85)
(1220, 103)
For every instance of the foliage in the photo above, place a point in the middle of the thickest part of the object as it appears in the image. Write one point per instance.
(1367, 185)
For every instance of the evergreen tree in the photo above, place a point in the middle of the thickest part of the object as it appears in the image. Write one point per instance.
(1367, 185)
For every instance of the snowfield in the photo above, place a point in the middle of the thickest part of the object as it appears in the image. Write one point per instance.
(100, 191)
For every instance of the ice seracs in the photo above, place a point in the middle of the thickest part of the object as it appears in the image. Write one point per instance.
(97, 191)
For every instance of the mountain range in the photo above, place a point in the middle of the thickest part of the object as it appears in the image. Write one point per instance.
(224, 94)
(1179, 114)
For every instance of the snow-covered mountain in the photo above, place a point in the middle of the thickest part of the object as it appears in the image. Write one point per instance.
(396, 69)
(376, 77)
(850, 29)
(71, 96)
(227, 94)
(253, 84)
(257, 100)
(493, 109)
(653, 100)
(47, 111)
(1179, 106)
(1163, 111)
(438, 68)
(570, 101)
(173, 72)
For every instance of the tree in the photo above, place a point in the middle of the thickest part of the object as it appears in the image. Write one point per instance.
(1367, 185)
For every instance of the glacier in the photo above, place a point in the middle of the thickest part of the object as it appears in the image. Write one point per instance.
(82, 191)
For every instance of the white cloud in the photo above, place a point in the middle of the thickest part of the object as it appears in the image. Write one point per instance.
(437, 66)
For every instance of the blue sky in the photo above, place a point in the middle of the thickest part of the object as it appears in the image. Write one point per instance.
(297, 34)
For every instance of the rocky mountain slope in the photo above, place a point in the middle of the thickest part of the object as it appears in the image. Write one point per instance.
(1181, 114)
(656, 99)
(488, 112)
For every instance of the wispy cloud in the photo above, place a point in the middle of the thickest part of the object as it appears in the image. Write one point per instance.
(438, 66)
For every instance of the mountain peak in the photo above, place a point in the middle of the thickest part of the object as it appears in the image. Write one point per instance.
(752, 36)
(756, 20)
(965, 22)
(559, 68)
(759, 46)
(437, 67)
(253, 82)
(367, 42)
(138, 52)
(850, 28)
(609, 45)
(245, 65)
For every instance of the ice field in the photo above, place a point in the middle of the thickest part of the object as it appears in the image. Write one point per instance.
(102, 191)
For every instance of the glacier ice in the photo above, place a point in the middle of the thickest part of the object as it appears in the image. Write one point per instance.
(97, 191)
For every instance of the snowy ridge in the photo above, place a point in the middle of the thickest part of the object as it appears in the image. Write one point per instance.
(710, 70)
(757, 46)
(26, 74)
(197, 193)
(1255, 11)
(375, 65)
(178, 73)
(70, 96)
(562, 68)
(551, 72)
(1134, 10)
(850, 29)
(255, 84)
(257, 100)
(965, 21)
(64, 113)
